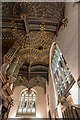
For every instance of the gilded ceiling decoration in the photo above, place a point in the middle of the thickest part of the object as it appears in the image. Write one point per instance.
(36, 81)
(32, 25)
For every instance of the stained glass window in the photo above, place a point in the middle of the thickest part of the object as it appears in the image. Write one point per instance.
(27, 104)
(61, 73)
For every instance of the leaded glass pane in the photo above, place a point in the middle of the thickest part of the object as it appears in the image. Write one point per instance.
(20, 110)
(28, 110)
(24, 110)
(27, 103)
(33, 110)
(60, 70)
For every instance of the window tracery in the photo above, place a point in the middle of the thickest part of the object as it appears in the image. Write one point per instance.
(61, 73)
(27, 104)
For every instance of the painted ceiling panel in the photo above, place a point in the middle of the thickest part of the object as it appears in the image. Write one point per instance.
(33, 25)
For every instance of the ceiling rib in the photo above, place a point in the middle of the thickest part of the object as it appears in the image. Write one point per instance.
(36, 24)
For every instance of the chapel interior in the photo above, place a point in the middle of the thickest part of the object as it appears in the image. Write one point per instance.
(39, 72)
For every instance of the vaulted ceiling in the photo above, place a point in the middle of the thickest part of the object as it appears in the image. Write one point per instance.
(34, 23)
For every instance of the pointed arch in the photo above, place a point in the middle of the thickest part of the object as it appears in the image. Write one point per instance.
(61, 75)
(27, 103)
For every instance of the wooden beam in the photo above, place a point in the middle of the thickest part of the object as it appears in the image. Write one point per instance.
(48, 21)
(25, 72)
(8, 40)
(57, 30)
(35, 19)
(26, 24)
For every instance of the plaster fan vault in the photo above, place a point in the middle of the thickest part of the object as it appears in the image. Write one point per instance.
(28, 29)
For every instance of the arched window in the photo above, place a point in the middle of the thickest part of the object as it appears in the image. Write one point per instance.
(27, 103)
(61, 74)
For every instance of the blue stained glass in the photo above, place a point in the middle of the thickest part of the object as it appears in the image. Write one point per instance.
(34, 104)
(61, 63)
(57, 72)
(59, 51)
(26, 107)
(62, 81)
(25, 104)
(59, 83)
(25, 92)
(61, 91)
(70, 72)
(65, 74)
(67, 66)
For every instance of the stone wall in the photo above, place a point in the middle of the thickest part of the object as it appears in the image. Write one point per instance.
(40, 102)
(67, 40)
